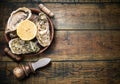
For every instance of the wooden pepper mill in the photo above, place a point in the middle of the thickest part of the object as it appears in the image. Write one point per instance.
(24, 70)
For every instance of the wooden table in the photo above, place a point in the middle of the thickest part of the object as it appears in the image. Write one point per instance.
(85, 49)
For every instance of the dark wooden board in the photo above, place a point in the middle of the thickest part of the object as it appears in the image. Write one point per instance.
(62, 1)
(85, 49)
(80, 45)
(73, 17)
(69, 72)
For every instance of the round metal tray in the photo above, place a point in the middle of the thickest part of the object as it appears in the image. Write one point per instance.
(51, 27)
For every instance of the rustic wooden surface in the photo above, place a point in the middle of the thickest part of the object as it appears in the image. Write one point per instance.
(86, 46)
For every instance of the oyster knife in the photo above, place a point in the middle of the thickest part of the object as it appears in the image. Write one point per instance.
(23, 70)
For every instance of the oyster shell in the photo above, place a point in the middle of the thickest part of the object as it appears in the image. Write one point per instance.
(19, 46)
(17, 16)
(43, 34)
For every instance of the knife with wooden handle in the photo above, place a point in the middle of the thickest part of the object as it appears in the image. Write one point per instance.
(23, 70)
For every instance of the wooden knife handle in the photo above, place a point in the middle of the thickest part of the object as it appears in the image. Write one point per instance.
(22, 71)
(46, 10)
(11, 55)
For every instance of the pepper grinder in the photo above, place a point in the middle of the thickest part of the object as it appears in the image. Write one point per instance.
(22, 71)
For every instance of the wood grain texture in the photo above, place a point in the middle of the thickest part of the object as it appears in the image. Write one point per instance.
(80, 45)
(63, 1)
(74, 17)
(92, 72)
(86, 46)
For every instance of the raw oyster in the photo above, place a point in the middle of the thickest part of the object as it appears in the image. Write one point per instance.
(19, 46)
(43, 34)
(17, 16)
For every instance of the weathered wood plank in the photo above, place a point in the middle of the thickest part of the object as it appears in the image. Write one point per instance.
(63, 1)
(98, 72)
(76, 1)
(80, 45)
(14, 1)
(74, 17)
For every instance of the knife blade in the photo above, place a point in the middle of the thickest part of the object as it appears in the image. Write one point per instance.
(40, 63)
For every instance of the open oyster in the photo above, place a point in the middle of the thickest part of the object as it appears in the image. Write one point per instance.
(43, 34)
(17, 16)
(19, 46)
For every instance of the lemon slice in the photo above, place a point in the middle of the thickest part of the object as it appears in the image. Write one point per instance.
(26, 30)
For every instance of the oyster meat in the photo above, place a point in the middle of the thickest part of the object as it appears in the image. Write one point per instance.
(17, 16)
(43, 34)
(19, 46)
